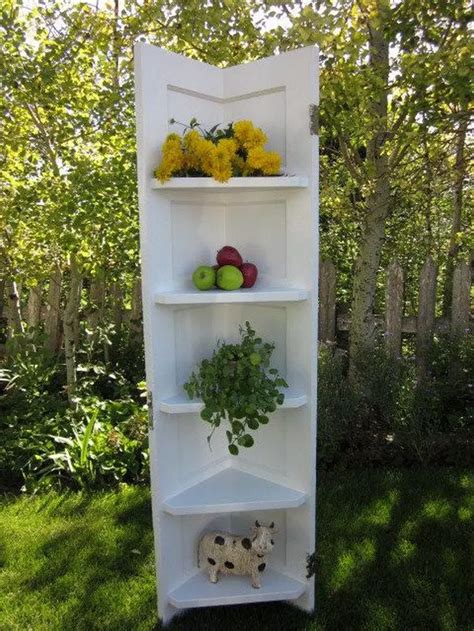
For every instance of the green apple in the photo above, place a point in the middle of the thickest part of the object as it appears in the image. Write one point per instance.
(204, 277)
(229, 277)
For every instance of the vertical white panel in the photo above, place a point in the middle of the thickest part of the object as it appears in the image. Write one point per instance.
(180, 230)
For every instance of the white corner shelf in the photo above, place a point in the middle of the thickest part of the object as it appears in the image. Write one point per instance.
(198, 591)
(231, 491)
(182, 404)
(219, 296)
(235, 183)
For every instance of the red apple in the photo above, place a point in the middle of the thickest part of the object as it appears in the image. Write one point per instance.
(250, 273)
(229, 256)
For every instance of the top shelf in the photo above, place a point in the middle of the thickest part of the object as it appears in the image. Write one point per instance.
(234, 184)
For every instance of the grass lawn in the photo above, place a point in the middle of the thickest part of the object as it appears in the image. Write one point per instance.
(395, 551)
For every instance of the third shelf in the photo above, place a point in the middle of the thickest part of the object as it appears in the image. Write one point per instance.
(182, 404)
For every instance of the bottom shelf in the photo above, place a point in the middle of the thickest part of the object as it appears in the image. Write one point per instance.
(234, 590)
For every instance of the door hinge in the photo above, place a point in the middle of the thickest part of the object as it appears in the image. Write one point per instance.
(149, 401)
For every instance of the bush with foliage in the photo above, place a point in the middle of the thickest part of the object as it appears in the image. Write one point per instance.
(44, 443)
(388, 416)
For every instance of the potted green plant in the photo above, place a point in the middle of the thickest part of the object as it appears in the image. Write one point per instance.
(238, 385)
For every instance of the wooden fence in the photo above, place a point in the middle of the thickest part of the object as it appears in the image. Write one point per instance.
(393, 322)
(102, 303)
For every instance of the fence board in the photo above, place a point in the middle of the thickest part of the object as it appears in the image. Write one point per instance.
(33, 310)
(394, 309)
(460, 306)
(53, 306)
(426, 315)
(327, 302)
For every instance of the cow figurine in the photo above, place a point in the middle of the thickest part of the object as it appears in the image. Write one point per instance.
(234, 554)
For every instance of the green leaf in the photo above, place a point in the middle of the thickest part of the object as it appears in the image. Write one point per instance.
(86, 437)
(233, 449)
(252, 423)
(246, 441)
(237, 427)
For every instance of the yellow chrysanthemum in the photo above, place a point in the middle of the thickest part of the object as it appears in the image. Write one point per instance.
(229, 145)
(247, 135)
(207, 156)
(199, 152)
(268, 162)
(172, 159)
(222, 164)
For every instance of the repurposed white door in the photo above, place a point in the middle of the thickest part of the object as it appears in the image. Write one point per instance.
(273, 221)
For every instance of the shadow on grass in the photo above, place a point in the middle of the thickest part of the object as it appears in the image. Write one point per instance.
(393, 553)
(98, 568)
(262, 617)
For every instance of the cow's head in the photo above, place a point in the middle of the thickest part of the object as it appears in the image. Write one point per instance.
(262, 541)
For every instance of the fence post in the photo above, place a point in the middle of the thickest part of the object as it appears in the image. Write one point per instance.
(72, 307)
(327, 302)
(33, 315)
(394, 309)
(53, 309)
(460, 303)
(135, 322)
(426, 315)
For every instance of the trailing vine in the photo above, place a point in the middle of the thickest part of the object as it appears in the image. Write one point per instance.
(238, 385)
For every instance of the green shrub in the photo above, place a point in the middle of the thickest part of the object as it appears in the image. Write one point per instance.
(384, 415)
(337, 402)
(44, 443)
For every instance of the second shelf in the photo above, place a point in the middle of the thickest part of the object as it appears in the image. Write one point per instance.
(218, 296)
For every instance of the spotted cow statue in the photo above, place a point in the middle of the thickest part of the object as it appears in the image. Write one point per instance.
(234, 554)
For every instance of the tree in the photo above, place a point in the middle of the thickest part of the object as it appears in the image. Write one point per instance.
(381, 90)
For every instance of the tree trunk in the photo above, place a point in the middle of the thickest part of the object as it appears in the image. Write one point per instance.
(373, 228)
(70, 312)
(458, 193)
(51, 324)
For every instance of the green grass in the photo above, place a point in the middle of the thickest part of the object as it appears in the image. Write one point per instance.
(395, 551)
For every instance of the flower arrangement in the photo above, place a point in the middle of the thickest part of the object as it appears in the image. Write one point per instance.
(238, 150)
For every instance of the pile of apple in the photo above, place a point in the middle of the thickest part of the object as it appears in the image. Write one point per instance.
(230, 272)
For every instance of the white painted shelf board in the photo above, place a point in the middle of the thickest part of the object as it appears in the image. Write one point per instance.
(198, 591)
(235, 183)
(230, 491)
(219, 296)
(182, 404)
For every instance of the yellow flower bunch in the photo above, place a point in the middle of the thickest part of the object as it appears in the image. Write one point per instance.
(238, 151)
(268, 162)
(172, 160)
(249, 136)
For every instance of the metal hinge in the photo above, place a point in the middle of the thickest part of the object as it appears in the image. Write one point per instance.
(314, 119)
(149, 402)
